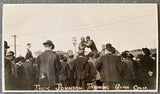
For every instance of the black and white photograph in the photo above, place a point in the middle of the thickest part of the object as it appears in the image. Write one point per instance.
(80, 48)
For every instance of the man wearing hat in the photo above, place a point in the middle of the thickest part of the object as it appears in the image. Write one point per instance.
(80, 70)
(5, 47)
(48, 66)
(29, 53)
(146, 68)
(70, 62)
(114, 51)
(11, 57)
(109, 67)
(8, 70)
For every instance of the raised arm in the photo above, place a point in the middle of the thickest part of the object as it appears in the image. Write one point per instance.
(88, 43)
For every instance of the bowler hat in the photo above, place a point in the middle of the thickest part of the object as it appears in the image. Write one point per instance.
(124, 54)
(109, 47)
(146, 51)
(20, 58)
(9, 53)
(6, 45)
(49, 42)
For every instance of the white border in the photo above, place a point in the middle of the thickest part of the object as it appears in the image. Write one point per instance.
(95, 91)
(2, 76)
(157, 63)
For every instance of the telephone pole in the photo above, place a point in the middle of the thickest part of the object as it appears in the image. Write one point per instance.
(14, 36)
(74, 41)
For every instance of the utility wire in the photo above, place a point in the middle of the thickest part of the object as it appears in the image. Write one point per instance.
(99, 24)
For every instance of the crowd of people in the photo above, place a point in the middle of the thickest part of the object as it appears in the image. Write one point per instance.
(105, 68)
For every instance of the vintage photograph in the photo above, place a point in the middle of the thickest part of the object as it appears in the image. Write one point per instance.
(80, 47)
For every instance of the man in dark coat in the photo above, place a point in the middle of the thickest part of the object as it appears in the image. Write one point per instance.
(28, 67)
(81, 70)
(8, 71)
(48, 66)
(29, 53)
(92, 77)
(71, 80)
(20, 73)
(128, 76)
(109, 67)
(64, 73)
(146, 68)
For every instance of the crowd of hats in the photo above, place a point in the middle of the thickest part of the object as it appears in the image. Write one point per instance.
(109, 47)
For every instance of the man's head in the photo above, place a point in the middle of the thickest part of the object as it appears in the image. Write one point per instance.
(61, 57)
(10, 55)
(90, 55)
(70, 54)
(80, 53)
(20, 59)
(109, 48)
(28, 45)
(5, 47)
(130, 55)
(124, 54)
(87, 38)
(126, 51)
(146, 51)
(97, 55)
(48, 44)
(82, 39)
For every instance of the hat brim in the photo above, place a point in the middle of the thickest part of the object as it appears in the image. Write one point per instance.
(9, 55)
(7, 47)
(45, 43)
(49, 44)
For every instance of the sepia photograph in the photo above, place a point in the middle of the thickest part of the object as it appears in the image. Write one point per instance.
(80, 48)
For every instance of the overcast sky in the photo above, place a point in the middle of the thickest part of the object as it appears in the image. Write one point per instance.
(125, 26)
